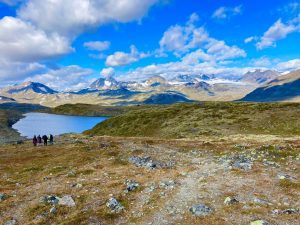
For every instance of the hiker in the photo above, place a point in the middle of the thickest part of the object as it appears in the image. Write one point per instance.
(51, 139)
(34, 140)
(39, 140)
(45, 139)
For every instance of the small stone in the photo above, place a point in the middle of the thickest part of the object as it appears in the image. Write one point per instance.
(114, 205)
(230, 201)
(67, 200)
(201, 210)
(259, 222)
(53, 210)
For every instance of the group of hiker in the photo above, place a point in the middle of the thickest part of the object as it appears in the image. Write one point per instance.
(37, 140)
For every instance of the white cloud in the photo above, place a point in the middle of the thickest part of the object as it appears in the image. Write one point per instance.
(72, 17)
(289, 65)
(183, 39)
(277, 31)
(226, 12)
(108, 72)
(15, 71)
(122, 58)
(66, 78)
(22, 42)
(249, 39)
(97, 45)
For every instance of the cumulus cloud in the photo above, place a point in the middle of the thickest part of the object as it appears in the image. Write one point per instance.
(278, 31)
(184, 39)
(122, 58)
(72, 17)
(108, 72)
(66, 78)
(20, 41)
(15, 71)
(289, 65)
(226, 12)
(97, 45)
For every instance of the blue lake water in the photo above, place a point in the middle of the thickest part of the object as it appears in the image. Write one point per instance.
(44, 123)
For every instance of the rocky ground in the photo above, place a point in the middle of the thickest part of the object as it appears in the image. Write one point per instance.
(236, 179)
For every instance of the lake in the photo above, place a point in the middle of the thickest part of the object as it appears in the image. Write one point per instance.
(44, 123)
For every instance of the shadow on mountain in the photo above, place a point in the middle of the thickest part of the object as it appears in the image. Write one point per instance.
(166, 98)
(275, 93)
(121, 93)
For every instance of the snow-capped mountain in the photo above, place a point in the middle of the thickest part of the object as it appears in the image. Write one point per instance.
(105, 84)
(30, 87)
(259, 76)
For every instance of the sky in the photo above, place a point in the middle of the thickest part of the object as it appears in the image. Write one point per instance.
(67, 44)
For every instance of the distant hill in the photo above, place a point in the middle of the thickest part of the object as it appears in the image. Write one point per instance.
(166, 98)
(22, 107)
(284, 88)
(208, 118)
(260, 76)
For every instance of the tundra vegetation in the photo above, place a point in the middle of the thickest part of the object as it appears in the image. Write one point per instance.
(200, 163)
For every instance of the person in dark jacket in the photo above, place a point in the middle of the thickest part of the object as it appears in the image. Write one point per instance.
(51, 139)
(34, 140)
(39, 140)
(45, 139)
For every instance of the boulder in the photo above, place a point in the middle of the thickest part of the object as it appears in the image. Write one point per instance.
(114, 205)
(201, 210)
(131, 185)
(67, 200)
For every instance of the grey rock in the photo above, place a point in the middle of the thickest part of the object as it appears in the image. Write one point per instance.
(131, 185)
(114, 205)
(67, 200)
(287, 211)
(50, 199)
(149, 163)
(201, 210)
(230, 201)
(11, 222)
(282, 176)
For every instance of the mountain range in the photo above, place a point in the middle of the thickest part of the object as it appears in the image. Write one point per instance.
(258, 85)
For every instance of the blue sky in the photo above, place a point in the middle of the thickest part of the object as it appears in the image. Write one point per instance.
(68, 43)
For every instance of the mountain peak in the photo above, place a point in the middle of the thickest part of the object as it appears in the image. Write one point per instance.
(30, 86)
(105, 83)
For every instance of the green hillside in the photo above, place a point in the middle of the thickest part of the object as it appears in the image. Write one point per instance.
(192, 120)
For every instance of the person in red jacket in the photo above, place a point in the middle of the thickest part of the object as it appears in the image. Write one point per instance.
(34, 141)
